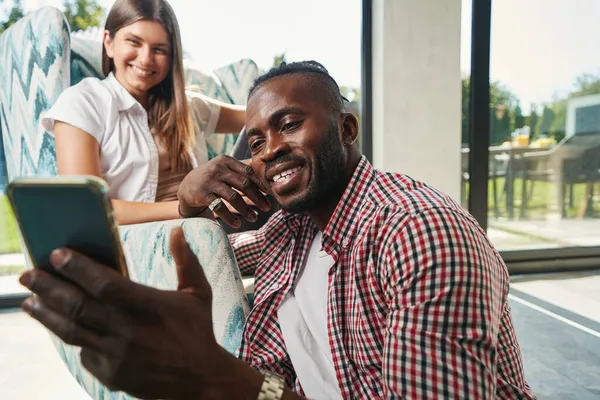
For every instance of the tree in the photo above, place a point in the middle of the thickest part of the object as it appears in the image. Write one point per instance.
(519, 118)
(500, 125)
(15, 14)
(279, 59)
(502, 101)
(533, 123)
(546, 121)
(83, 14)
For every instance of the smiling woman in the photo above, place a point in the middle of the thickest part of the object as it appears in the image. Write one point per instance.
(137, 128)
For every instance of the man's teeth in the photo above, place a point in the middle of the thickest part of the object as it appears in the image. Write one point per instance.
(140, 71)
(285, 175)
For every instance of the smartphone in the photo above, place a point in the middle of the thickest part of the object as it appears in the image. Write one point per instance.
(72, 212)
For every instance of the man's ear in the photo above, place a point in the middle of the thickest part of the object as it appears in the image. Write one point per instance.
(108, 44)
(349, 128)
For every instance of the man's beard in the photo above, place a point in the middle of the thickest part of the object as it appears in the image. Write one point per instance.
(326, 176)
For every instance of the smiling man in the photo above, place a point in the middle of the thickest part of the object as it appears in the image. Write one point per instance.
(368, 284)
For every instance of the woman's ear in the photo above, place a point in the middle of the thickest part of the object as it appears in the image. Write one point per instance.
(349, 128)
(108, 44)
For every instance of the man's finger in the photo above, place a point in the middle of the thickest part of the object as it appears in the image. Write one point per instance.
(245, 169)
(189, 271)
(68, 330)
(68, 300)
(100, 281)
(222, 210)
(241, 183)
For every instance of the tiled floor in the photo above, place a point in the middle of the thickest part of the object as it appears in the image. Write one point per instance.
(557, 319)
(30, 368)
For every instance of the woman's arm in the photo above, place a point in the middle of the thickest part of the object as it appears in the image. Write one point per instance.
(78, 153)
(232, 118)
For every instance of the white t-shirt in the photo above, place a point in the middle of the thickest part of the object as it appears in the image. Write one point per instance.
(128, 153)
(303, 321)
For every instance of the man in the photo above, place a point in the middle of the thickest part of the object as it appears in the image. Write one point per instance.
(368, 284)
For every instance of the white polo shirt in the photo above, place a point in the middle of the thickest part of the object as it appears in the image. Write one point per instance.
(128, 153)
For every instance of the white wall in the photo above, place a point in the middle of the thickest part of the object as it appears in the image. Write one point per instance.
(417, 90)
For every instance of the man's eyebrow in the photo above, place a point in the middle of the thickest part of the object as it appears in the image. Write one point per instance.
(275, 118)
(282, 112)
(141, 40)
(252, 132)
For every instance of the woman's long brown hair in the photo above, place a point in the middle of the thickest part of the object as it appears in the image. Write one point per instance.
(168, 111)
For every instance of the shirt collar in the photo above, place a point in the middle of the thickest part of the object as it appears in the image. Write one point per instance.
(343, 224)
(124, 98)
(345, 219)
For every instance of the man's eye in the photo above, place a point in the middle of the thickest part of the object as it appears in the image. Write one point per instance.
(291, 125)
(255, 145)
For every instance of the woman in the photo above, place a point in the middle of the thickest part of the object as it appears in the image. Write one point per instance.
(134, 128)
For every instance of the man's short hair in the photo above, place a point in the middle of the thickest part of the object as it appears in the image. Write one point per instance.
(334, 98)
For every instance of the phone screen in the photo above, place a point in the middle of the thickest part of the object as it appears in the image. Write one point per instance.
(61, 215)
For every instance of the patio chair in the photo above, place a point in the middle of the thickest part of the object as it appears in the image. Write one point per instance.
(36, 67)
(497, 169)
(574, 160)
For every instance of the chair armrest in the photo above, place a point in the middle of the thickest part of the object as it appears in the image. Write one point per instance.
(149, 261)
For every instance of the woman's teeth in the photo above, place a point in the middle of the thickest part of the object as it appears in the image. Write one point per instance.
(144, 72)
(285, 175)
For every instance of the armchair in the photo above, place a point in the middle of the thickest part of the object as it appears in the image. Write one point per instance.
(39, 60)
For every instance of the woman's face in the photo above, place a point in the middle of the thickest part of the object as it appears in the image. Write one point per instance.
(142, 56)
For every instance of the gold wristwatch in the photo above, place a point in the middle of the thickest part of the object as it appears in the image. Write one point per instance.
(272, 388)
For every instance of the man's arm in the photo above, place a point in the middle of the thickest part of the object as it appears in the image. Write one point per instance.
(445, 287)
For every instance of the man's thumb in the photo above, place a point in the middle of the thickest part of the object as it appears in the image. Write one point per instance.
(189, 272)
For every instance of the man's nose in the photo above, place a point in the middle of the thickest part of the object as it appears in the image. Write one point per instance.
(275, 147)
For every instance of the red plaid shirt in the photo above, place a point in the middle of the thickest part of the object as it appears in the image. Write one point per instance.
(417, 296)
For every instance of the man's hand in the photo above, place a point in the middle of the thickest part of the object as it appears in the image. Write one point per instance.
(144, 341)
(226, 178)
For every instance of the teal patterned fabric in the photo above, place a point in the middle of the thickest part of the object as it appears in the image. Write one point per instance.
(30, 82)
(85, 59)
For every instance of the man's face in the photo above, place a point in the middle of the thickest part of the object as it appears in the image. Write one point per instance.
(295, 141)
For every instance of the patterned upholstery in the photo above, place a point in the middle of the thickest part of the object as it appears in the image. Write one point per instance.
(30, 82)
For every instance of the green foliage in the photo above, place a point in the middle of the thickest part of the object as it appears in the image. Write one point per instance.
(502, 103)
(546, 122)
(9, 240)
(15, 14)
(554, 117)
(279, 59)
(519, 118)
(83, 14)
(532, 122)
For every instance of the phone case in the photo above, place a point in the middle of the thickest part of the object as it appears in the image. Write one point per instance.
(95, 185)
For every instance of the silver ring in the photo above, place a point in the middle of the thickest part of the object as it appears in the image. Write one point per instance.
(213, 204)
